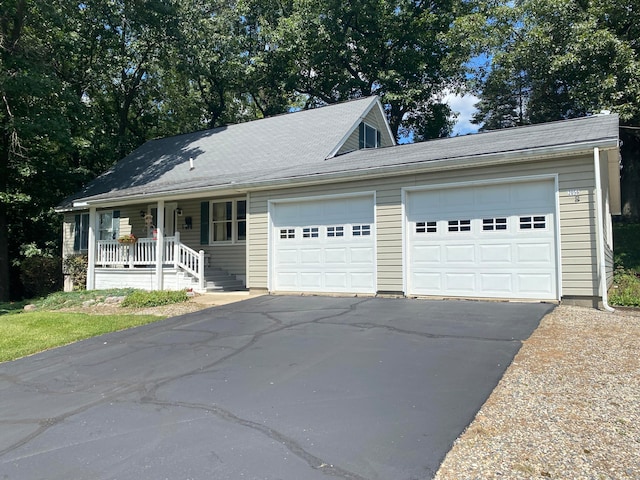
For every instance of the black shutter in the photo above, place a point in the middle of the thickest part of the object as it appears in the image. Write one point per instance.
(378, 138)
(76, 233)
(361, 136)
(204, 223)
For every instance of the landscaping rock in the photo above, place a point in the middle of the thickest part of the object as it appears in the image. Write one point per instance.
(88, 303)
(30, 307)
(114, 300)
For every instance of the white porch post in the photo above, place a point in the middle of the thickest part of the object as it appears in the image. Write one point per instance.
(91, 250)
(176, 249)
(160, 245)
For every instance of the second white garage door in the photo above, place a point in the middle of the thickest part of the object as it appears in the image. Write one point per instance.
(323, 245)
(490, 241)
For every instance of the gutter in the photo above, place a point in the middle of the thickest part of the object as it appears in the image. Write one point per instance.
(419, 166)
(600, 231)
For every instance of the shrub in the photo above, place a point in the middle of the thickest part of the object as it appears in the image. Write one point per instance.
(76, 267)
(625, 290)
(40, 275)
(140, 298)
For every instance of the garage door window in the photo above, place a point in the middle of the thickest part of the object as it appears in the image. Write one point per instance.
(361, 230)
(310, 232)
(426, 227)
(287, 233)
(492, 224)
(337, 231)
(533, 222)
(459, 225)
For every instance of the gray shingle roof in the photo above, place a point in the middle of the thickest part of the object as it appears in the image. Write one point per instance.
(230, 154)
(295, 146)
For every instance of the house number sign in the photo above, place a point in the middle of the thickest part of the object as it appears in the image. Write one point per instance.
(574, 193)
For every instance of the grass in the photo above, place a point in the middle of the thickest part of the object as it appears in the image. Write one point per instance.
(625, 290)
(27, 333)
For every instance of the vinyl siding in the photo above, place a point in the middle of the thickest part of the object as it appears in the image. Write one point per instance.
(68, 231)
(577, 238)
(373, 118)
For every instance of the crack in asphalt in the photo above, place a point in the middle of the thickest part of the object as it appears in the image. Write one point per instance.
(294, 447)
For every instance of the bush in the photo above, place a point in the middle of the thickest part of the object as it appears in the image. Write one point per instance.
(76, 267)
(40, 275)
(140, 298)
(625, 290)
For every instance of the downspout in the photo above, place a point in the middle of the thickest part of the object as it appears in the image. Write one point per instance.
(600, 232)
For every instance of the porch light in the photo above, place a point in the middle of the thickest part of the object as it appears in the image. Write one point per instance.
(142, 213)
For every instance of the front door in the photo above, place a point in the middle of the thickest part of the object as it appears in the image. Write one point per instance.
(169, 220)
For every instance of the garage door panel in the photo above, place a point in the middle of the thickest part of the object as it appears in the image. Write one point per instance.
(310, 256)
(506, 249)
(335, 256)
(288, 256)
(459, 253)
(362, 280)
(427, 281)
(426, 254)
(287, 279)
(336, 280)
(536, 283)
(535, 253)
(464, 282)
(362, 255)
(495, 253)
(311, 279)
(499, 283)
(329, 243)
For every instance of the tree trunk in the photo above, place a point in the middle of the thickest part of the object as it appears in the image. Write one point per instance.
(630, 174)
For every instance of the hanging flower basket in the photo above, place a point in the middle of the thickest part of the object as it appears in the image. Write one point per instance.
(127, 239)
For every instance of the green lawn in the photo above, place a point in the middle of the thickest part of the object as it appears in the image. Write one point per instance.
(27, 333)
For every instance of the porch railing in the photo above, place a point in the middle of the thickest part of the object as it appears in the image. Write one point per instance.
(143, 254)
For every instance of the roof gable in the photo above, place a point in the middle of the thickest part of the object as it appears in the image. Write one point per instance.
(232, 153)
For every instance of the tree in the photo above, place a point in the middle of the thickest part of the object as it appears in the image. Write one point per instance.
(563, 59)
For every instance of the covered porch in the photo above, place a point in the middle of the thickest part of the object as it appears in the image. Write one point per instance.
(160, 246)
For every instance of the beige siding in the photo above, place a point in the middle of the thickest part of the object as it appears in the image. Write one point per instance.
(579, 275)
(68, 233)
(373, 118)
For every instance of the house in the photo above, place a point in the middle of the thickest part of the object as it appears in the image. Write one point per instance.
(324, 201)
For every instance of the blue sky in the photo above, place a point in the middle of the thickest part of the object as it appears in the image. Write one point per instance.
(464, 107)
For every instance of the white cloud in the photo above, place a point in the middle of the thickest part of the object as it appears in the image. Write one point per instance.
(463, 105)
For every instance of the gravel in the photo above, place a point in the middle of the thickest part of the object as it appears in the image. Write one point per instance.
(568, 407)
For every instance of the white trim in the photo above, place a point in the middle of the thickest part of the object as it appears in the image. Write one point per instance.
(160, 245)
(360, 119)
(234, 221)
(474, 183)
(558, 237)
(91, 249)
(601, 260)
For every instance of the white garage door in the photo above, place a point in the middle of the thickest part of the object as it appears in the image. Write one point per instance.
(486, 241)
(325, 245)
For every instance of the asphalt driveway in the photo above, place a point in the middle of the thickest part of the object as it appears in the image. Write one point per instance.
(274, 387)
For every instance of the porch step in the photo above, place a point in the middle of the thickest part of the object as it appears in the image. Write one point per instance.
(218, 280)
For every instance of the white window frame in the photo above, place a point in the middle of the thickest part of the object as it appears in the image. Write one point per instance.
(375, 135)
(234, 220)
(111, 231)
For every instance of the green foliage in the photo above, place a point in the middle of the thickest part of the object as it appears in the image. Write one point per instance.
(626, 246)
(40, 275)
(141, 298)
(27, 333)
(625, 290)
(559, 59)
(76, 267)
(78, 298)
